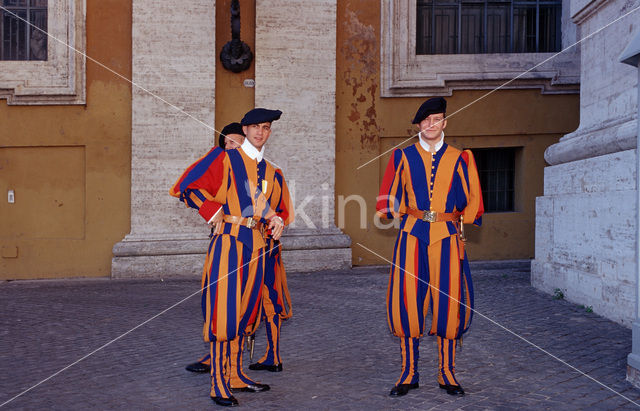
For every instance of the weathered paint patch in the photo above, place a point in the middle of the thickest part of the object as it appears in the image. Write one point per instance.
(360, 50)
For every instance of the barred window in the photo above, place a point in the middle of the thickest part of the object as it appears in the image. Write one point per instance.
(481, 26)
(18, 39)
(497, 167)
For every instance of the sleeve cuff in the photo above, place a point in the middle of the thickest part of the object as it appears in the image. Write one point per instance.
(209, 209)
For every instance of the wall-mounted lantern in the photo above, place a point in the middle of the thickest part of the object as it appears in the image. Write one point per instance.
(236, 55)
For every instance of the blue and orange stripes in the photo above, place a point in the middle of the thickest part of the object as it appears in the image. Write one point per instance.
(233, 273)
(409, 348)
(229, 180)
(406, 185)
(219, 380)
(430, 267)
(272, 354)
(237, 377)
(447, 361)
(424, 277)
(276, 298)
(231, 289)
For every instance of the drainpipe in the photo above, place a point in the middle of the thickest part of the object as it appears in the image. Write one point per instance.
(631, 56)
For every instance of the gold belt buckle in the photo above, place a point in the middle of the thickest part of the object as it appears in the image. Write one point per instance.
(430, 216)
(251, 222)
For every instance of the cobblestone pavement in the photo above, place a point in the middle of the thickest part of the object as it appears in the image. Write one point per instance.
(337, 351)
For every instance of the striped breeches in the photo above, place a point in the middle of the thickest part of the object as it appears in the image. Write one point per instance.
(231, 289)
(424, 276)
(276, 302)
(275, 293)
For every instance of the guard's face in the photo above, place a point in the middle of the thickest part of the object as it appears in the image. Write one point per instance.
(232, 141)
(432, 126)
(258, 134)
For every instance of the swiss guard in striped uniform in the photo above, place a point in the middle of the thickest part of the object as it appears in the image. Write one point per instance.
(276, 301)
(433, 189)
(243, 197)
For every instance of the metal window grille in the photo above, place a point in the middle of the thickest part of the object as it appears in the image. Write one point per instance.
(496, 167)
(482, 26)
(19, 40)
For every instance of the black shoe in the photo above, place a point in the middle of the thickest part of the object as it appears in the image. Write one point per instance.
(225, 402)
(198, 367)
(257, 387)
(453, 389)
(265, 367)
(402, 389)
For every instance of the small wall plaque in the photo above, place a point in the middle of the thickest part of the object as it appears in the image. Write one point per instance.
(9, 252)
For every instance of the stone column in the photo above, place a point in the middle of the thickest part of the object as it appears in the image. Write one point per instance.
(296, 73)
(631, 56)
(173, 53)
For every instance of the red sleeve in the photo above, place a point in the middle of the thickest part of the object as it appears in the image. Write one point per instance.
(199, 184)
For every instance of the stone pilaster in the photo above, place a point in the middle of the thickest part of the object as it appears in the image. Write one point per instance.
(173, 54)
(631, 56)
(296, 73)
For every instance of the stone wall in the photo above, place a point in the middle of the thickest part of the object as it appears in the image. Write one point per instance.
(296, 73)
(585, 234)
(586, 220)
(167, 134)
(173, 72)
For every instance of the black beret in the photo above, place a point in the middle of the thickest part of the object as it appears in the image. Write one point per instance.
(260, 115)
(231, 128)
(431, 106)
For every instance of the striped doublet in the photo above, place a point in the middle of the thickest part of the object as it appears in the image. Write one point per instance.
(430, 269)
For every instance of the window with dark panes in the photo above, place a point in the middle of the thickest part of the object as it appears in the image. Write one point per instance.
(19, 39)
(481, 26)
(497, 167)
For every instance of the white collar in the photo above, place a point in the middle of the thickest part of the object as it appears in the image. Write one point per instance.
(425, 145)
(250, 150)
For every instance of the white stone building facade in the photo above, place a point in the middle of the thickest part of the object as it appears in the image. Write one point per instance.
(586, 222)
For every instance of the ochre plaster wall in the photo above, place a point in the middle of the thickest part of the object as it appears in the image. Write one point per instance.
(368, 125)
(233, 99)
(70, 166)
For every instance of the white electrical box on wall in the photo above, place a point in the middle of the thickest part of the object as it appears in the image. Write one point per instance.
(11, 197)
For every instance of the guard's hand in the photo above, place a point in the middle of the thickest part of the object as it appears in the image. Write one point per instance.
(276, 225)
(217, 224)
